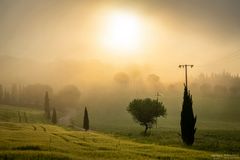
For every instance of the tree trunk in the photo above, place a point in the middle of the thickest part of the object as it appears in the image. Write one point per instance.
(146, 128)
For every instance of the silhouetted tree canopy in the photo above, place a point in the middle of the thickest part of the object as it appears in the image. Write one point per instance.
(188, 120)
(145, 111)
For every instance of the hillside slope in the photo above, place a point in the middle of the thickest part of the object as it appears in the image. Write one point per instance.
(41, 141)
(13, 113)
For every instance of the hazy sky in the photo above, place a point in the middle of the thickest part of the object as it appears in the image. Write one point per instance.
(205, 33)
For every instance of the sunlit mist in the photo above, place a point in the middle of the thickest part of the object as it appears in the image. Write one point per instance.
(117, 61)
(122, 33)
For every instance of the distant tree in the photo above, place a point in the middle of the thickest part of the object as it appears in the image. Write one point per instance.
(121, 78)
(6, 97)
(86, 120)
(54, 116)
(20, 94)
(14, 91)
(46, 106)
(145, 111)
(188, 120)
(154, 82)
(32, 95)
(25, 117)
(67, 99)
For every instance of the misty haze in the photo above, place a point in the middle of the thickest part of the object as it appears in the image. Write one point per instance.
(119, 79)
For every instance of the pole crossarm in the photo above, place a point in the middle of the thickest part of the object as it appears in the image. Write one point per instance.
(157, 95)
(185, 66)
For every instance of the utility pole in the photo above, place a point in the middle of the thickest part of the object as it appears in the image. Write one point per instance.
(185, 66)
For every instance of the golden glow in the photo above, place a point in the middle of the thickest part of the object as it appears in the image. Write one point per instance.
(122, 33)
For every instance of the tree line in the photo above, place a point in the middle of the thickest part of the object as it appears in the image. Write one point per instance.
(23, 95)
(31, 96)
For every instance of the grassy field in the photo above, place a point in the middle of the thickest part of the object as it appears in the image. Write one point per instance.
(41, 141)
(10, 114)
(220, 141)
(38, 140)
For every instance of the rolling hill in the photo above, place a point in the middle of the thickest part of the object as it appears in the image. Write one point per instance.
(38, 140)
(42, 141)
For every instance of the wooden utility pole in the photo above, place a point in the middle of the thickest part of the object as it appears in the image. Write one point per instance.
(185, 66)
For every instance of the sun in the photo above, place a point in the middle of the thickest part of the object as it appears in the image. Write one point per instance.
(122, 33)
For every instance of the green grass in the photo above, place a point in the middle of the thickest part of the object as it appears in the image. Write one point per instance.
(38, 140)
(220, 141)
(21, 141)
(10, 114)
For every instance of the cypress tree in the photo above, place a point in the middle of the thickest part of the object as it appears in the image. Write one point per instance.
(54, 116)
(85, 120)
(188, 120)
(46, 106)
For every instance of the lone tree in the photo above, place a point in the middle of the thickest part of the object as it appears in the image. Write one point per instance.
(145, 111)
(54, 116)
(85, 120)
(46, 106)
(188, 120)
